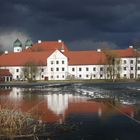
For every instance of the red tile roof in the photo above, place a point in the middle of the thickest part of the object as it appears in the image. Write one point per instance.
(130, 52)
(5, 72)
(47, 46)
(39, 53)
(86, 58)
(21, 58)
(96, 58)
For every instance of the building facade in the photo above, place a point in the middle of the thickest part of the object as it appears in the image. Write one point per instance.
(52, 60)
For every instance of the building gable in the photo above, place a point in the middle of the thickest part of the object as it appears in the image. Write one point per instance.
(57, 55)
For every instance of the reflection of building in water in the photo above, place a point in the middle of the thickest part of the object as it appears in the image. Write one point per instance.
(100, 112)
(56, 107)
(16, 93)
(58, 103)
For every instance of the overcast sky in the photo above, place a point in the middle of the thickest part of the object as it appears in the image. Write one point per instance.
(82, 24)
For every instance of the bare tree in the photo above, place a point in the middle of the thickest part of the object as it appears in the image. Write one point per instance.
(136, 45)
(30, 71)
(113, 64)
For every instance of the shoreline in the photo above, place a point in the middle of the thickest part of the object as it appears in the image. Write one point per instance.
(26, 84)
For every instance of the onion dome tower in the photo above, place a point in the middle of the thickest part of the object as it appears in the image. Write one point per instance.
(17, 46)
(28, 43)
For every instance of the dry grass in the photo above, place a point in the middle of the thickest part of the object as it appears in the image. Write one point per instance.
(16, 123)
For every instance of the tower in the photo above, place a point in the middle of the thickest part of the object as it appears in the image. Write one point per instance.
(28, 43)
(17, 46)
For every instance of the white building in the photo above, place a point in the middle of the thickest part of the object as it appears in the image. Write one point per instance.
(55, 62)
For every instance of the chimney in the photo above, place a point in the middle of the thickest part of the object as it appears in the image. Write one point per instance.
(39, 41)
(6, 52)
(98, 50)
(131, 47)
(59, 41)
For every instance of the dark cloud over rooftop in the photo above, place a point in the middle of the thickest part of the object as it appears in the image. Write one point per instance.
(74, 21)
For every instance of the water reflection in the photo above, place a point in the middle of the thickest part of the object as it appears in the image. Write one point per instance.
(53, 106)
(100, 111)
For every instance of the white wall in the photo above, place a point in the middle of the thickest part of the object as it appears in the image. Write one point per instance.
(13, 70)
(64, 71)
(86, 72)
(128, 65)
(57, 65)
(17, 72)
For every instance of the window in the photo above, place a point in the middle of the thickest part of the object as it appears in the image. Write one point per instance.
(101, 75)
(42, 70)
(42, 76)
(131, 76)
(131, 68)
(51, 62)
(101, 69)
(94, 69)
(138, 61)
(73, 69)
(138, 75)
(124, 75)
(63, 76)
(94, 75)
(63, 69)
(63, 62)
(17, 77)
(124, 68)
(124, 61)
(17, 70)
(80, 76)
(57, 62)
(80, 69)
(57, 69)
(87, 69)
(131, 61)
(51, 77)
(51, 69)
(138, 68)
(87, 75)
(57, 76)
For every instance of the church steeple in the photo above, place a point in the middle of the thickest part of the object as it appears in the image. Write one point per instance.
(28, 43)
(17, 45)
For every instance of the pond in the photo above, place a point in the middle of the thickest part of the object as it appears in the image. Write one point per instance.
(104, 111)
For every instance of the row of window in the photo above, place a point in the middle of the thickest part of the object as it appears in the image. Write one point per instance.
(58, 69)
(88, 76)
(131, 68)
(131, 61)
(80, 69)
(80, 76)
(131, 75)
(87, 69)
(42, 76)
(58, 62)
(42, 70)
(57, 76)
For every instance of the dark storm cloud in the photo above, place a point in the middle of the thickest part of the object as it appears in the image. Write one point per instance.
(92, 21)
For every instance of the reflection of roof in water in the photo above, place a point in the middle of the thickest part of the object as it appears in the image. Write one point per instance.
(39, 106)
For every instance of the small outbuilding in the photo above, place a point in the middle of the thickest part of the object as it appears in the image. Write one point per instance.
(5, 75)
